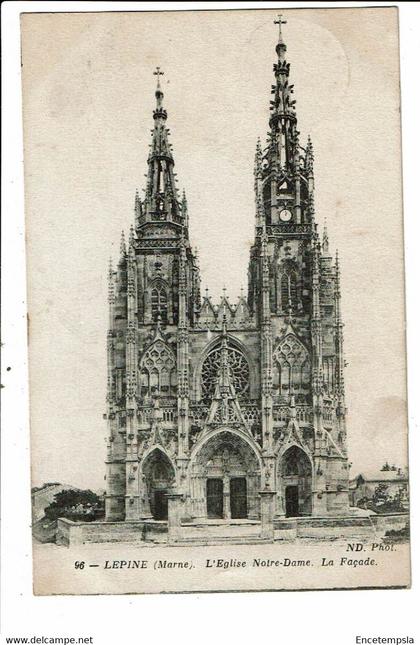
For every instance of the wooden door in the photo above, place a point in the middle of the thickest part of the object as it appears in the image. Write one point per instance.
(238, 501)
(160, 505)
(292, 501)
(214, 498)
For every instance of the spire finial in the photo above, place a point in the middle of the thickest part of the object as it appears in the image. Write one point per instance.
(158, 73)
(280, 22)
(159, 112)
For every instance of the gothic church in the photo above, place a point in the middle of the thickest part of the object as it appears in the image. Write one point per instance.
(223, 402)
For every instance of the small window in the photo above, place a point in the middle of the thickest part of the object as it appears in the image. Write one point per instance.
(284, 292)
(288, 289)
(159, 304)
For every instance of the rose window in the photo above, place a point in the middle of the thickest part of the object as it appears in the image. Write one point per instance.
(239, 371)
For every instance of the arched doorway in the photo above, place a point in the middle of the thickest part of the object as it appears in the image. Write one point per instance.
(225, 479)
(295, 482)
(160, 476)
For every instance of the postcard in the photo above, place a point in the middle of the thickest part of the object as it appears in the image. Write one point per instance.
(216, 300)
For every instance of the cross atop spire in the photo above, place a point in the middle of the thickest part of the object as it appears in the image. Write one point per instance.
(280, 22)
(158, 73)
(159, 112)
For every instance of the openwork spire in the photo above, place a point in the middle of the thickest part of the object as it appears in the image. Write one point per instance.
(283, 176)
(283, 118)
(162, 201)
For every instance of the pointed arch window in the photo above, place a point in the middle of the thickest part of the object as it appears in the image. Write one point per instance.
(165, 380)
(272, 289)
(284, 370)
(293, 288)
(157, 369)
(160, 303)
(288, 288)
(284, 292)
(293, 363)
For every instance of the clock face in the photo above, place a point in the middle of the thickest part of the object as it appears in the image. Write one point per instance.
(285, 215)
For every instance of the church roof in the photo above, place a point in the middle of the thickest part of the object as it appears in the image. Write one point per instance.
(376, 475)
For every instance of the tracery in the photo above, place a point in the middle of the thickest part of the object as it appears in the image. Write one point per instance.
(293, 365)
(239, 370)
(157, 370)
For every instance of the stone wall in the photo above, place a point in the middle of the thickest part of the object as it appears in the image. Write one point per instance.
(70, 533)
(326, 528)
(383, 523)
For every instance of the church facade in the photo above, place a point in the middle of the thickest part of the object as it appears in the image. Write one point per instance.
(221, 402)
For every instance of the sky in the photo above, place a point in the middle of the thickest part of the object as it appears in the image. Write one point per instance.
(88, 89)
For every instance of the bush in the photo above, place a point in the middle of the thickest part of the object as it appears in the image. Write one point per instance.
(397, 535)
(77, 505)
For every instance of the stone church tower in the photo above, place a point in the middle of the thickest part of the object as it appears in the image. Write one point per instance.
(221, 402)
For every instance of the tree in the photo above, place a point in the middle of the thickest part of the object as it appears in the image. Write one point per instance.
(381, 494)
(74, 504)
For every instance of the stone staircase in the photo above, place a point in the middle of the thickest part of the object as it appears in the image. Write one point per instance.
(220, 532)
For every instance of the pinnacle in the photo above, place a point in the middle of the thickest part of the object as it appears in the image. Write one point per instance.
(131, 238)
(224, 326)
(309, 154)
(123, 248)
(184, 203)
(325, 241)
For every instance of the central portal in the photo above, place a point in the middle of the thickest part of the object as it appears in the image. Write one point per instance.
(236, 498)
(225, 479)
